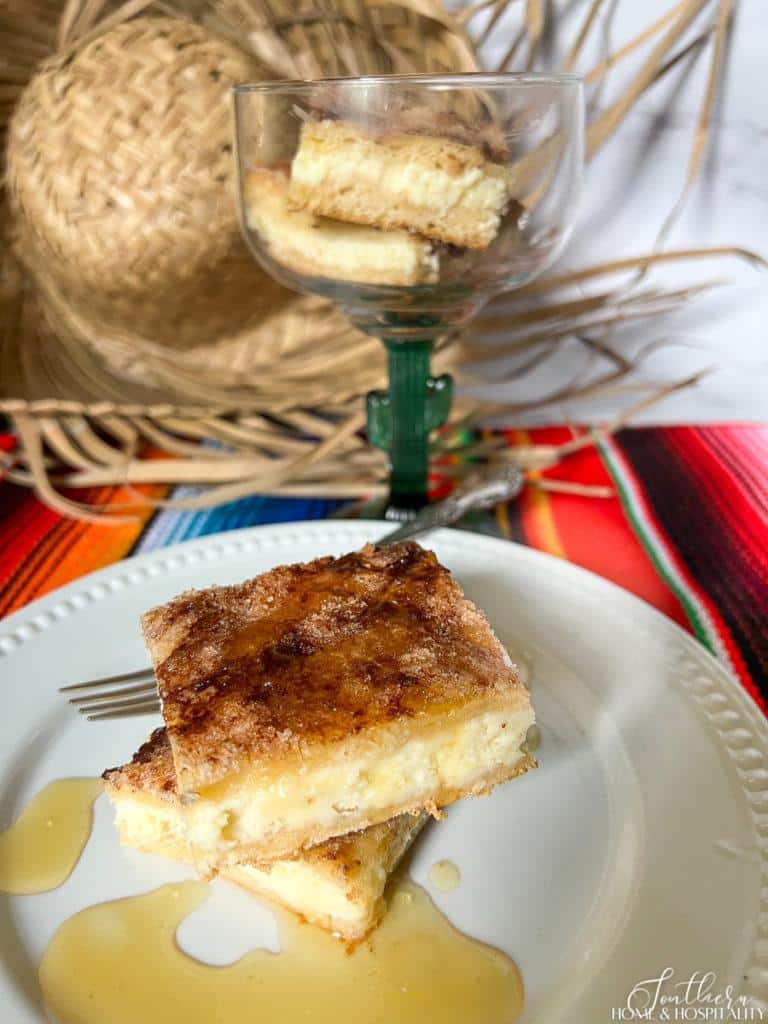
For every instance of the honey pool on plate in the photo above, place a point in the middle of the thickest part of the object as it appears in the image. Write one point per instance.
(119, 962)
(444, 876)
(40, 849)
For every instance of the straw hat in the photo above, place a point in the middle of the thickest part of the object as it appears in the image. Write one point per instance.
(130, 307)
(121, 184)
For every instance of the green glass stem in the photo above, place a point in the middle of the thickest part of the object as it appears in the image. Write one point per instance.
(400, 420)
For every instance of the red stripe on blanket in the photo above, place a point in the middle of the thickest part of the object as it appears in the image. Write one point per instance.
(670, 495)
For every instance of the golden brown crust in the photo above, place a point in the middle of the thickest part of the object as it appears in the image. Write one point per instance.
(312, 654)
(149, 771)
(424, 120)
(379, 847)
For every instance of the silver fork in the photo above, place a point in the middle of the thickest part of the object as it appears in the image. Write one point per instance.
(109, 697)
(105, 699)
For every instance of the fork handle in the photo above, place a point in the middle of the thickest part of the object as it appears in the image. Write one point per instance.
(482, 490)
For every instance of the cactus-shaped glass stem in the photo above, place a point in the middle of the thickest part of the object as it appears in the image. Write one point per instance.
(400, 421)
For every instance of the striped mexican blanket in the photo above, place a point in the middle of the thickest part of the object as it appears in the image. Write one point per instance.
(687, 530)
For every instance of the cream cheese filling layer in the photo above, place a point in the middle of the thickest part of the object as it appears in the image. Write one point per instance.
(304, 886)
(474, 190)
(376, 778)
(306, 890)
(151, 825)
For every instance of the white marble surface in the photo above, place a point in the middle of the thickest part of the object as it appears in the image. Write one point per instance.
(631, 185)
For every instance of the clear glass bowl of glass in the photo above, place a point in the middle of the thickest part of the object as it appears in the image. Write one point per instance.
(409, 201)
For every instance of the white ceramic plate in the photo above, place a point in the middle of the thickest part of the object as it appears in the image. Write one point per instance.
(637, 846)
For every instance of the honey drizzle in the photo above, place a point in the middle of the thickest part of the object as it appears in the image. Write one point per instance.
(40, 849)
(118, 961)
(444, 876)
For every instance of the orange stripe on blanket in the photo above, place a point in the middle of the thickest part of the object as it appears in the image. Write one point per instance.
(537, 518)
(81, 548)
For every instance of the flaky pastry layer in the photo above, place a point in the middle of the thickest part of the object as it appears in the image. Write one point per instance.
(437, 187)
(338, 885)
(321, 247)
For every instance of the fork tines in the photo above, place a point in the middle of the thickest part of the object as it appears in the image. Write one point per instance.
(109, 699)
(149, 707)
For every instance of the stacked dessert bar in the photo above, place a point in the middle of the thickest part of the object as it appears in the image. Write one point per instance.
(376, 209)
(315, 716)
